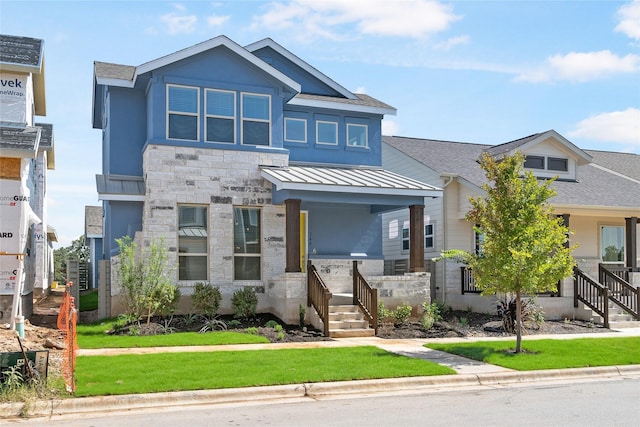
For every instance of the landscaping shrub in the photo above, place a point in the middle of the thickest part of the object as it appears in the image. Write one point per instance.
(401, 314)
(431, 315)
(145, 284)
(244, 303)
(530, 312)
(206, 299)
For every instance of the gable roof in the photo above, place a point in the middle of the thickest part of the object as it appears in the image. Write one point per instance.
(268, 42)
(126, 76)
(46, 143)
(19, 142)
(613, 183)
(528, 141)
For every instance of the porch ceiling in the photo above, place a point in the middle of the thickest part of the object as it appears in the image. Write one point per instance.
(361, 180)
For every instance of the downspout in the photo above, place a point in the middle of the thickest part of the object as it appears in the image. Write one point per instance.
(447, 179)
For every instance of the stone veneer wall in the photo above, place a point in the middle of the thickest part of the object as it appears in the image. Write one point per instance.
(220, 180)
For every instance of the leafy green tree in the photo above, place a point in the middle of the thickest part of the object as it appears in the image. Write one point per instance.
(524, 250)
(147, 289)
(76, 251)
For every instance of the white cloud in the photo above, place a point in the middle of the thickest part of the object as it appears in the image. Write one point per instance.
(330, 18)
(629, 15)
(360, 89)
(452, 42)
(621, 127)
(581, 67)
(217, 20)
(179, 21)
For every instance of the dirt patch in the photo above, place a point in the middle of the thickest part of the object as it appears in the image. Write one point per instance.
(469, 324)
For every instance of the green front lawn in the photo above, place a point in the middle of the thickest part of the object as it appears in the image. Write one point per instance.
(95, 336)
(550, 354)
(125, 374)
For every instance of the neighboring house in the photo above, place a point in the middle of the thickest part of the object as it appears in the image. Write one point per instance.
(93, 240)
(246, 162)
(598, 194)
(26, 156)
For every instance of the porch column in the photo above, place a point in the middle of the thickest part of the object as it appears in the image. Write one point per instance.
(631, 242)
(416, 238)
(293, 235)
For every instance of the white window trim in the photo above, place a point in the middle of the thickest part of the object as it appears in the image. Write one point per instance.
(206, 115)
(366, 135)
(259, 255)
(196, 114)
(600, 248)
(432, 235)
(294, 119)
(405, 226)
(242, 119)
(194, 254)
(318, 122)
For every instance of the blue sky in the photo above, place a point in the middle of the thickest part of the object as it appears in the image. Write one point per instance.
(474, 71)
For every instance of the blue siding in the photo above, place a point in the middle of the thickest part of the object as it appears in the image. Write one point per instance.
(216, 69)
(342, 154)
(127, 132)
(353, 230)
(122, 219)
(309, 84)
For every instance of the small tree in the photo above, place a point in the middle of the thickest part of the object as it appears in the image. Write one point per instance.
(146, 287)
(524, 250)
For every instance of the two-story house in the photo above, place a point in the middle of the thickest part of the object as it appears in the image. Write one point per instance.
(26, 156)
(598, 195)
(247, 162)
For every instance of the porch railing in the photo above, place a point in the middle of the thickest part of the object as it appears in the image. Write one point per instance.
(365, 297)
(467, 282)
(621, 292)
(591, 293)
(318, 295)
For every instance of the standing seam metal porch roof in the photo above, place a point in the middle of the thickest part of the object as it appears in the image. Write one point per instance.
(346, 180)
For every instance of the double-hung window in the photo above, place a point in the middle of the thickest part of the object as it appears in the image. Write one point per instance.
(295, 130)
(192, 242)
(256, 119)
(405, 236)
(221, 115)
(357, 135)
(429, 241)
(246, 244)
(612, 243)
(327, 133)
(183, 111)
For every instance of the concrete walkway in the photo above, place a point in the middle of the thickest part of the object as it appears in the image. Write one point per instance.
(471, 373)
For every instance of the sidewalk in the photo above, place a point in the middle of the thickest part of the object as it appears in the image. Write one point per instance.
(470, 374)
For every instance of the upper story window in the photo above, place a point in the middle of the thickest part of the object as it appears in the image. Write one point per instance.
(557, 164)
(327, 133)
(221, 115)
(256, 119)
(295, 130)
(357, 135)
(546, 163)
(534, 162)
(183, 112)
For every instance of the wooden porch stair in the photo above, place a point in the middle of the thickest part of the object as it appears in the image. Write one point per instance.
(348, 321)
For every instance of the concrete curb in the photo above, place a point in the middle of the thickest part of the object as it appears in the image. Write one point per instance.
(87, 405)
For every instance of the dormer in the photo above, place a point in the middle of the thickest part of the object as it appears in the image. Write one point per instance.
(547, 155)
(22, 92)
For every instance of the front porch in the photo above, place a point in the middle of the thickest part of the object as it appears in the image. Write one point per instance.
(340, 296)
